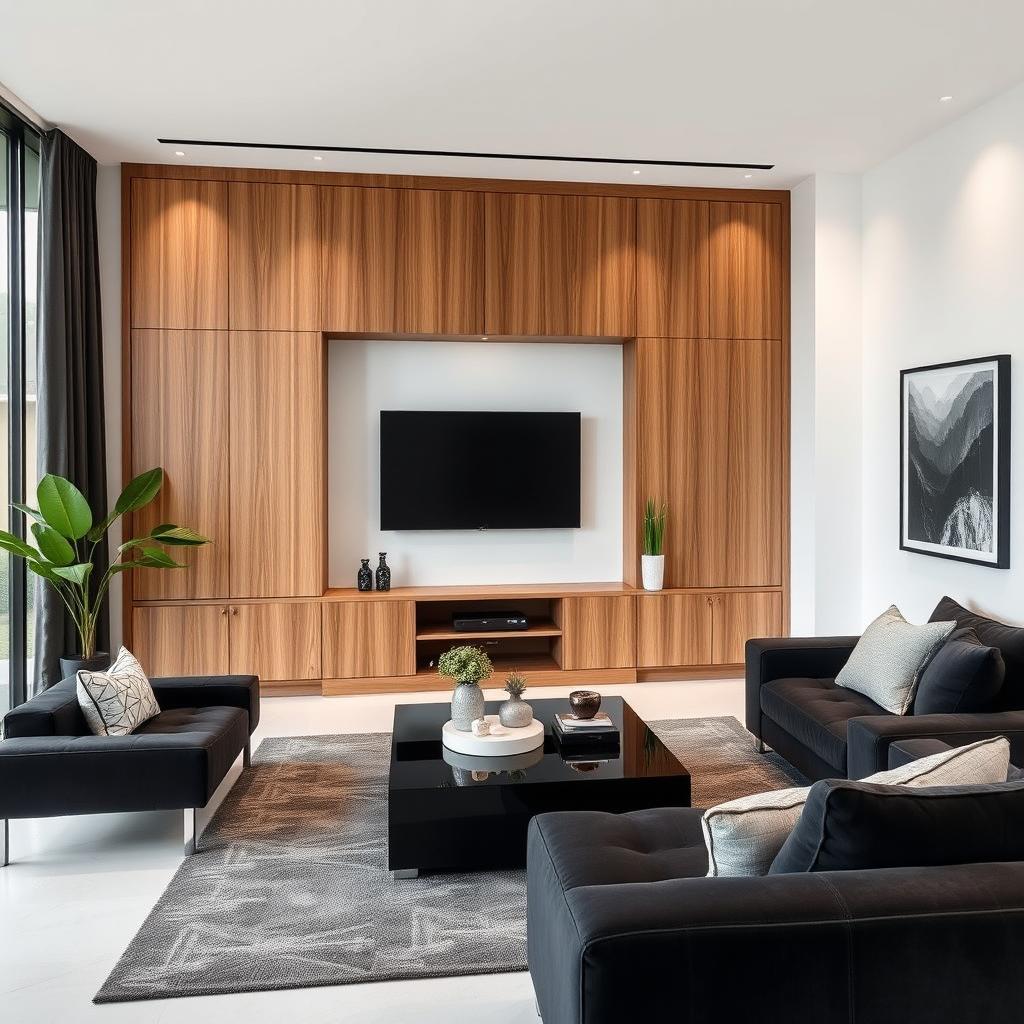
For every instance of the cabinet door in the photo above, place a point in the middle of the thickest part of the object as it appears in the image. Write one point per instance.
(369, 638)
(673, 629)
(671, 268)
(180, 422)
(277, 465)
(276, 641)
(560, 265)
(745, 256)
(598, 632)
(360, 258)
(179, 265)
(739, 617)
(181, 640)
(275, 257)
(440, 265)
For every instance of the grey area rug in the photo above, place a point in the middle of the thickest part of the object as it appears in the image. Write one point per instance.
(291, 887)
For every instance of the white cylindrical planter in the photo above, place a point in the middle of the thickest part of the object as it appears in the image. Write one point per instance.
(652, 571)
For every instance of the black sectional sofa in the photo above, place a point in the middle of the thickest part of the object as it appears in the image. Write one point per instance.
(794, 706)
(51, 764)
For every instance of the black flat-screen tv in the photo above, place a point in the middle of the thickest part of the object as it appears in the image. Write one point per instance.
(479, 470)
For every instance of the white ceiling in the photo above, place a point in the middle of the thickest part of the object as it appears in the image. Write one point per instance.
(809, 85)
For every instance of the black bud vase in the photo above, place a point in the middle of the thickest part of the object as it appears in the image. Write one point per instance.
(364, 579)
(383, 573)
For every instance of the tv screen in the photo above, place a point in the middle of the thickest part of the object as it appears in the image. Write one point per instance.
(479, 470)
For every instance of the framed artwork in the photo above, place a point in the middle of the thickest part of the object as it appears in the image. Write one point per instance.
(955, 460)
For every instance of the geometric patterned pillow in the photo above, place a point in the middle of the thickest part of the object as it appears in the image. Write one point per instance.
(116, 702)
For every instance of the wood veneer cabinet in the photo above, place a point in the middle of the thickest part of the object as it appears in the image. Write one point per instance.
(179, 253)
(597, 632)
(181, 640)
(369, 638)
(275, 641)
(274, 257)
(739, 616)
(560, 265)
(673, 629)
(182, 425)
(278, 522)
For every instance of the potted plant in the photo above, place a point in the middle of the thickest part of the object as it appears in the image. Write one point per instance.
(515, 713)
(467, 666)
(66, 539)
(652, 562)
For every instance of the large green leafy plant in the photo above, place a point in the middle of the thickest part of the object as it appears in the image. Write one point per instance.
(66, 540)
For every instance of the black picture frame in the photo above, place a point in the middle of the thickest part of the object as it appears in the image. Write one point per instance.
(999, 558)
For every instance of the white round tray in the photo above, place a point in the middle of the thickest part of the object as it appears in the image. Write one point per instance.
(499, 743)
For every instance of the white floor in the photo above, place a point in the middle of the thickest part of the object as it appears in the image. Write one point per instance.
(78, 889)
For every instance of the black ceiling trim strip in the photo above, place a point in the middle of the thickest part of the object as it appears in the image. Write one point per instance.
(481, 156)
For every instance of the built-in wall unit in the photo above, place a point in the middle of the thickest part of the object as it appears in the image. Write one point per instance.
(270, 317)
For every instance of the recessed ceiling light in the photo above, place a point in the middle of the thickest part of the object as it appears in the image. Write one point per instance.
(945, 99)
(178, 152)
(747, 175)
(636, 170)
(318, 158)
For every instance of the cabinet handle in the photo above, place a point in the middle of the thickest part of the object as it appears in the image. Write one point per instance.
(234, 611)
(223, 611)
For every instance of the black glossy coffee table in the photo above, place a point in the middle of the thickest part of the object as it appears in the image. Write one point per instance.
(450, 812)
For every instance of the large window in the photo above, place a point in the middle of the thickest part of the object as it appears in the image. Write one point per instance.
(19, 285)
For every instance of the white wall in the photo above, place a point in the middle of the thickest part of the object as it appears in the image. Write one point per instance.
(943, 279)
(365, 377)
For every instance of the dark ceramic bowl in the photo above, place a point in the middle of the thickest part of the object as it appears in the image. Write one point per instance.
(584, 703)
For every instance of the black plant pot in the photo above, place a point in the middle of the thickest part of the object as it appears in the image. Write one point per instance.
(97, 663)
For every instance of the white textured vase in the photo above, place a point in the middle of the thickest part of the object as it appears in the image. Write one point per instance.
(652, 571)
(467, 706)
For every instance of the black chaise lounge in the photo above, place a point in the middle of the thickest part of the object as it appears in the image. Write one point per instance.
(51, 764)
(795, 707)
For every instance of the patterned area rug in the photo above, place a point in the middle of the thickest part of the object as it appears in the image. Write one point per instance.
(291, 887)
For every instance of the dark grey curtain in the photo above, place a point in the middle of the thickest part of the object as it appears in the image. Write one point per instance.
(71, 440)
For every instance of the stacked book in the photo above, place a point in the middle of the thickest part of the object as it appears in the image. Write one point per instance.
(599, 729)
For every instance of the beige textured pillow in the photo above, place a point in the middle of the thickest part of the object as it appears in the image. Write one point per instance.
(116, 702)
(743, 836)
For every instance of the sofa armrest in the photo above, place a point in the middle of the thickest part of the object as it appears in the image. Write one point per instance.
(210, 691)
(815, 657)
(868, 738)
(54, 712)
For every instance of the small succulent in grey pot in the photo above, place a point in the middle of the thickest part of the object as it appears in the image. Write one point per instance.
(515, 713)
(467, 666)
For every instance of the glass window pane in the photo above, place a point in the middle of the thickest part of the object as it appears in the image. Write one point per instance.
(31, 297)
(5, 341)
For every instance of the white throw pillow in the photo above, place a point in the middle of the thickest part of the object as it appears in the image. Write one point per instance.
(116, 702)
(743, 836)
(890, 657)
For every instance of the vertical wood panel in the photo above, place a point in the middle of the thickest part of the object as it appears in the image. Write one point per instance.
(278, 523)
(598, 632)
(673, 629)
(738, 618)
(672, 268)
(276, 641)
(181, 640)
(179, 253)
(745, 254)
(369, 638)
(560, 265)
(274, 257)
(180, 422)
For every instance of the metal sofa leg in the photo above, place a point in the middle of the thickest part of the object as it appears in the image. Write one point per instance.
(247, 753)
(760, 745)
(7, 843)
(191, 832)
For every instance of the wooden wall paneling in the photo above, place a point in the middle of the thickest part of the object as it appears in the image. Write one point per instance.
(671, 268)
(560, 265)
(278, 523)
(738, 617)
(439, 287)
(673, 629)
(181, 640)
(746, 270)
(360, 254)
(368, 638)
(275, 256)
(179, 253)
(180, 422)
(597, 632)
(275, 641)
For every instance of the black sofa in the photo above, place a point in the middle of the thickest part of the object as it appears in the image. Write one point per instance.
(51, 764)
(826, 731)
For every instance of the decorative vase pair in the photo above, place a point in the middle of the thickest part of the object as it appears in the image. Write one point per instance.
(468, 706)
(364, 578)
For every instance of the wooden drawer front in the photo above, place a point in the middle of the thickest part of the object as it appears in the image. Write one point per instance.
(737, 618)
(181, 640)
(598, 632)
(369, 638)
(673, 629)
(276, 641)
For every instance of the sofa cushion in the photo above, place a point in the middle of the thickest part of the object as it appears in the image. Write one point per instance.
(119, 699)
(815, 712)
(598, 848)
(992, 633)
(963, 677)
